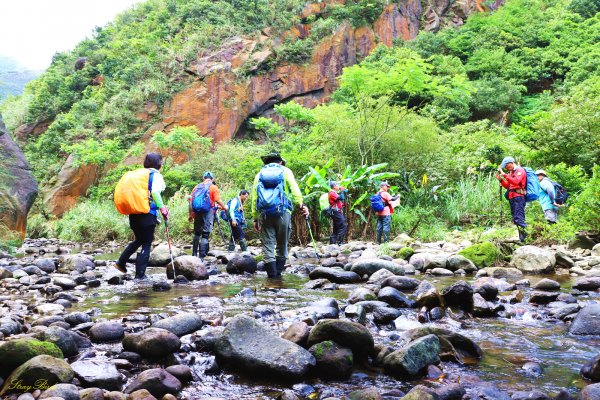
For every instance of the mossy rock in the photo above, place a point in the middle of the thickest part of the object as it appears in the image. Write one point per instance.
(16, 352)
(405, 253)
(259, 258)
(482, 254)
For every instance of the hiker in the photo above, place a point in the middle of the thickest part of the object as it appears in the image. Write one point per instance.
(237, 220)
(384, 217)
(205, 197)
(275, 192)
(337, 195)
(547, 197)
(144, 224)
(515, 181)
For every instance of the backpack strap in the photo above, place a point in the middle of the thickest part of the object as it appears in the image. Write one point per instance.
(150, 181)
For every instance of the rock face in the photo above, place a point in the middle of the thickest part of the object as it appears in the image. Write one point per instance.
(532, 259)
(53, 370)
(71, 183)
(18, 188)
(250, 348)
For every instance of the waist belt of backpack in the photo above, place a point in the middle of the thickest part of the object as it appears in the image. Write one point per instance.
(521, 191)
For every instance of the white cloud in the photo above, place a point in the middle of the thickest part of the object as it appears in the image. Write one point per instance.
(31, 31)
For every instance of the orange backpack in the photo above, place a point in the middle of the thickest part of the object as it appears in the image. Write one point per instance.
(132, 193)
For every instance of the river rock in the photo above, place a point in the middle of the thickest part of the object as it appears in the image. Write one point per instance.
(547, 285)
(401, 283)
(370, 266)
(16, 352)
(61, 337)
(107, 331)
(456, 262)
(45, 264)
(91, 394)
(591, 369)
(10, 326)
(414, 357)
(429, 298)
(160, 256)
(590, 392)
(378, 277)
(345, 333)
(541, 297)
(64, 283)
(482, 308)
(76, 263)
(297, 333)
(189, 266)
(50, 309)
(241, 263)
(157, 381)
(534, 260)
(361, 294)
(394, 298)
(459, 294)
(181, 324)
(587, 283)
(335, 275)
(51, 369)
(251, 348)
(93, 373)
(143, 394)
(483, 255)
(487, 290)
(181, 372)
(454, 346)
(333, 361)
(596, 250)
(152, 343)
(365, 394)
(587, 321)
(512, 274)
(77, 318)
(207, 338)
(65, 391)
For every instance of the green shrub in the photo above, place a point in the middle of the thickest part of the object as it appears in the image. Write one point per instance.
(571, 178)
(585, 211)
(93, 221)
(482, 254)
(39, 227)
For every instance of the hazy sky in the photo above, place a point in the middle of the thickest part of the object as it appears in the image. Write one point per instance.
(31, 31)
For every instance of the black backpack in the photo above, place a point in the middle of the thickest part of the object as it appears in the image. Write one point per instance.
(560, 193)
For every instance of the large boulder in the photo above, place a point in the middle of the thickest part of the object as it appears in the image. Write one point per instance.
(241, 263)
(372, 265)
(52, 370)
(587, 321)
(533, 260)
(189, 266)
(160, 256)
(414, 357)
(16, 352)
(157, 381)
(345, 333)
(152, 343)
(181, 324)
(482, 254)
(101, 374)
(333, 361)
(18, 187)
(250, 348)
(335, 275)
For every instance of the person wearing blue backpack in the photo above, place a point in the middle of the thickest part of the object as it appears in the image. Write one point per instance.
(237, 220)
(515, 181)
(205, 197)
(383, 204)
(275, 192)
(548, 197)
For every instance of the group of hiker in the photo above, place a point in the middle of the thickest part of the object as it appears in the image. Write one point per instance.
(275, 193)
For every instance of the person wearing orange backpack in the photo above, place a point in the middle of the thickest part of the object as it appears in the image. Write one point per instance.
(205, 197)
(143, 224)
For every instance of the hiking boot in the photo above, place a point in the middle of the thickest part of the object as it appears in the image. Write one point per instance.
(243, 245)
(271, 269)
(522, 236)
(280, 266)
(204, 246)
(231, 247)
(195, 245)
(142, 279)
(119, 268)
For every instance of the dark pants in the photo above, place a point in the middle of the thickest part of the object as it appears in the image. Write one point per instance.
(237, 235)
(383, 228)
(339, 227)
(203, 225)
(517, 210)
(143, 227)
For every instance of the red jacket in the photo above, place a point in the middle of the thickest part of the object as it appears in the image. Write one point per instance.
(515, 182)
(334, 200)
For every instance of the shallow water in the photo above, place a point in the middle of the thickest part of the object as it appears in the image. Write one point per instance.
(507, 343)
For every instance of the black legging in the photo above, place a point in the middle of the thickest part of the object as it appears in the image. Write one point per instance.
(144, 235)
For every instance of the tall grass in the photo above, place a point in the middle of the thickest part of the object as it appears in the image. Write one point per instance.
(93, 221)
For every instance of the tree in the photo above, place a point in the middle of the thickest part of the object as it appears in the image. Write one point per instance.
(181, 140)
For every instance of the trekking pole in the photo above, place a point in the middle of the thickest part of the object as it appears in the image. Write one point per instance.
(501, 208)
(220, 229)
(314, 242)
(170, 250)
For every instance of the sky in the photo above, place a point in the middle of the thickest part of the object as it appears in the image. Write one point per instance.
(31, 31)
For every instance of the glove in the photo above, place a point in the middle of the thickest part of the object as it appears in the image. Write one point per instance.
(165, 213)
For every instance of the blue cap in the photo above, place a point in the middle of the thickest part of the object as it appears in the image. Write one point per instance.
(208, 174)
(332, 184)
(506, 161)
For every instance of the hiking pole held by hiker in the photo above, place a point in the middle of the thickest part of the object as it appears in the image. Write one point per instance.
(314, 242)
(220, 229)
(170, 250)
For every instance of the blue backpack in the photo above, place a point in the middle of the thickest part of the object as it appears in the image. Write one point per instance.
(201, 198)
(560, 193)
(377, 203)
(533, 185)
(271, 200)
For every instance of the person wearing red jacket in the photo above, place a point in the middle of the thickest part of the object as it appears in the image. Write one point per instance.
(515, 181)
(336, 203)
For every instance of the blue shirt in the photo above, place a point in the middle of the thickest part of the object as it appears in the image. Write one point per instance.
(547, 195)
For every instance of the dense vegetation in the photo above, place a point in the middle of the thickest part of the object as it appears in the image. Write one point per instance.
(440, 112)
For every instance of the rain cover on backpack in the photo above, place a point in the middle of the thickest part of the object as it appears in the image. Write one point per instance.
(271, 200)
(132, 193)
(533, 185)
